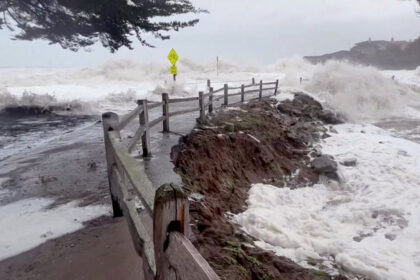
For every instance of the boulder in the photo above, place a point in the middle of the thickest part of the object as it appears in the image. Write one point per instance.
(330, 117)
(324, 164)
(349, 162)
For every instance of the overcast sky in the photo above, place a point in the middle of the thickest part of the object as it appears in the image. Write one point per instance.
(236, 30)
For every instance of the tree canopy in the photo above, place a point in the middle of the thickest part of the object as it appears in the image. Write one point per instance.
(80, 23)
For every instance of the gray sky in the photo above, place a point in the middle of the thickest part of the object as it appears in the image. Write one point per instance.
(246, 30)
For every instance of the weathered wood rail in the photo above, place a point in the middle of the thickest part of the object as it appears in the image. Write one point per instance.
(159, 219)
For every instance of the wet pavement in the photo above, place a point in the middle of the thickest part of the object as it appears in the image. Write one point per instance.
(69, 164)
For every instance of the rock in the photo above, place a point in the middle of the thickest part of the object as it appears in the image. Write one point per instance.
(332, 130)
(390, 236)
(332, 175)
(324, 164)
(330, 117)
(349, 162)
(325, 136)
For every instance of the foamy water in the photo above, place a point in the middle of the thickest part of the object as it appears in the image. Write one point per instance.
(377, 202)
(358, 92)
(27, 223)
(369, 224)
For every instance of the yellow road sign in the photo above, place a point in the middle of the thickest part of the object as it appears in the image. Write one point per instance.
(174, 70)
(173, 57)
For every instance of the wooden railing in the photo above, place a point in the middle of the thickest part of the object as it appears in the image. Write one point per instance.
(159, 219)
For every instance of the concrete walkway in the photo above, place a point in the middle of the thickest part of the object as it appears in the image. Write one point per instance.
(72, 167)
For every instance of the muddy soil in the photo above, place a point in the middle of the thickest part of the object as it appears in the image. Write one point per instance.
(218, 162)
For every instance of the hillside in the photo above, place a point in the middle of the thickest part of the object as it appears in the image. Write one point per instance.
(387, 55)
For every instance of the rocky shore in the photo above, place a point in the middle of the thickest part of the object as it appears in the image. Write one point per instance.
(258, 142)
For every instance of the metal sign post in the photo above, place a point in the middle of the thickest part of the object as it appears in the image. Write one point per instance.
(173, 58)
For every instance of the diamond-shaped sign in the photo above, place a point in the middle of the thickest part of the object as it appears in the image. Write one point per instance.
(174, 70)
(173, 57)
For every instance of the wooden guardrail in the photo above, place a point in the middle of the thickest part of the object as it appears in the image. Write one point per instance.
(159, 219)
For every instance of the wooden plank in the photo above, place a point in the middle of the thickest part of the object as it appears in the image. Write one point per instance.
(165, 111)
(271, 88)
(110, 122)
(183, 112)
(276, 87)
(134, 172)
(154, 105)
(144, 122)
(251, 85)
(202, 107)
(226, 95)
(171, 213)
(235, 94)
(219, 90)
(186, 260)
(252, 91)
(135, 139)
(178, 100)
(140, 236)
(234, 88)
(156, 121)
(211, 101)
(126, 119)
(269, 83)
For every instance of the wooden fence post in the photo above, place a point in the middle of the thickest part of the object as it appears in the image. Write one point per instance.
(144, 121)
(110, 122)
(171, 213)
(208, 84)
(261, 89)
(211, 100)
(276, 87)
(253, 81)
(165, 111)
(202, 107)
(226, 99)
(242, 93)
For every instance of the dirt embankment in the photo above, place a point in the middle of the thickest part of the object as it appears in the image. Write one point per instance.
(218, 162)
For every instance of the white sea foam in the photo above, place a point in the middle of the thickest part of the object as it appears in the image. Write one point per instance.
(27, 223)
(358, 92)
(368, 225)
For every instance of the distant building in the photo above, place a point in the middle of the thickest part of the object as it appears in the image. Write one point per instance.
(371, 47)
